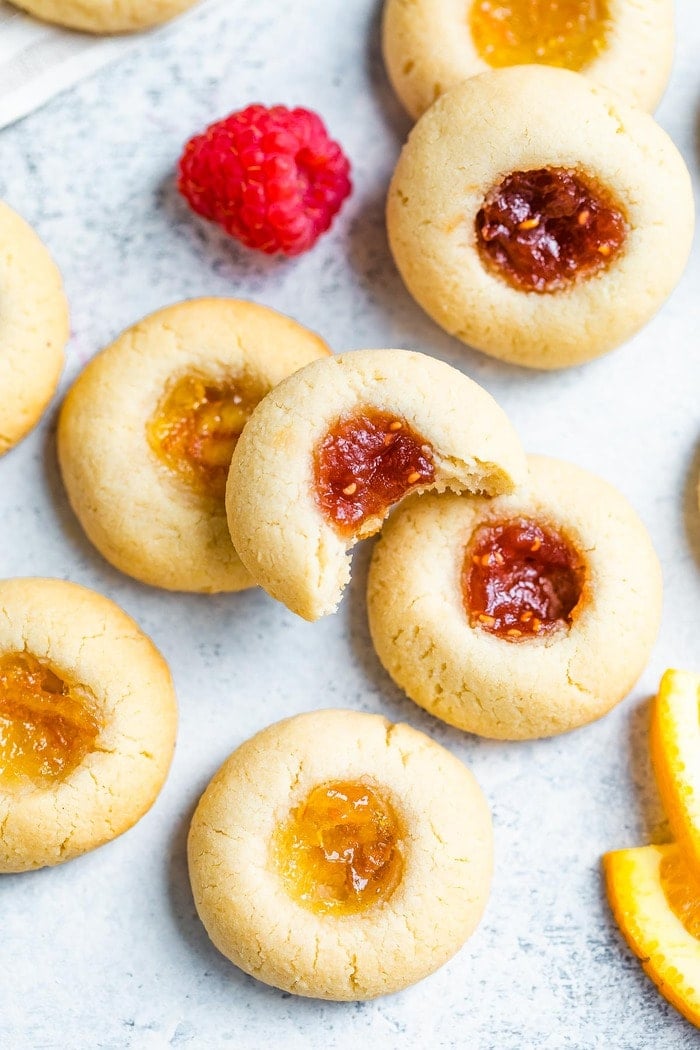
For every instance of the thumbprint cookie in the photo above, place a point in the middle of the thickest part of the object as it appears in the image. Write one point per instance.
(338, 856)
(518, 617)
(329, 451)
(105, 16)
(147, 432)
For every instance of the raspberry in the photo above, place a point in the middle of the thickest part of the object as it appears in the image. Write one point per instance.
(271, 177)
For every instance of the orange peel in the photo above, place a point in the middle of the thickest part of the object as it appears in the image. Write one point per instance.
(656, 902)
(675, 755)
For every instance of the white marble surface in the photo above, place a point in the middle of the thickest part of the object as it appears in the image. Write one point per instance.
(107, 951)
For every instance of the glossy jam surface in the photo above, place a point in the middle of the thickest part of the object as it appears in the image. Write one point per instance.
(46, 726)
(682, 891)
(366, 463)
(568, 33)
(520, 579)
(340, 851)
(542, 230)
(196, 425)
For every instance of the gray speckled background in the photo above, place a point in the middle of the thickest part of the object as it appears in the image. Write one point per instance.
(107, 951)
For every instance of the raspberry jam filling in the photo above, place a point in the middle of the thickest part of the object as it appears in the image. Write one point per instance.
(196, 426)
(366, 463)
(682, 891)
(341, 849)
(46, 726)
(542, 230)
(520, 579)
(568, 33)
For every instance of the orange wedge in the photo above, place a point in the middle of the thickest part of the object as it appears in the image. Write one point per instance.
(675, 753)
(656, 903)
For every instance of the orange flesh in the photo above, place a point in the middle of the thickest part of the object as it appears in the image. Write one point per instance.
(567, 33)
(682, 891)
(196, 426)
(46, 726)
(340, 851)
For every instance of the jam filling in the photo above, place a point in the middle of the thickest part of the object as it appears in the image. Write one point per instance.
(46, 726)
(542, 230)
(366, 463)
(340, 851)
(520, 579)
(682, 891)
(196, 426)
(568, 33)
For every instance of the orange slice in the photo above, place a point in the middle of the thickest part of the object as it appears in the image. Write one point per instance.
(675, 753)
(656, 903)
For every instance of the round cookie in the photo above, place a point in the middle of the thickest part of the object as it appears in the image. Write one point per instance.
(537, 218)
(146, 434)
(330, 450)
(33, 327)
(88, 718)
(409, 822)
(432, 45)
(518, 617)
(105, 16)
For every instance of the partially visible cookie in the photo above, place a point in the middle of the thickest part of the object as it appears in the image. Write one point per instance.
(88, 718)
(147, 431)
(105, 16)
(432, 45)
(330, 450)
(33, 327)
(518, 617)
(338, 856)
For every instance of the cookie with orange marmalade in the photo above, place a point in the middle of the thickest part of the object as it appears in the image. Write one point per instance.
(518, 617)
(329, 452)
(432, 45)
(147, 431)
(536, 217)
(88, 718)
(338, 856)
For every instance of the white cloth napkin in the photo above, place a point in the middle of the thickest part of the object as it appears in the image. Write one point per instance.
(38, 60)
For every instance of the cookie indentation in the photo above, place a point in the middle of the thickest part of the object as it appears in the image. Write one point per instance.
(521, 579)
(196, 425)
(341, 850)
(568, 33)
(47, 726)
(542, 230)
(365, 464)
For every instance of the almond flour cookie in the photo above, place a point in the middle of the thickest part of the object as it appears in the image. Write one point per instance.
(518, 617)
(338, 856)
(329, 451)
(537, 218)
(432, 45)
(105, 16)
(146, 435)
(87, 722)
(33, 327)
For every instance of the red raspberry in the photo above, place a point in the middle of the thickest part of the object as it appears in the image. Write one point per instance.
(271, 177)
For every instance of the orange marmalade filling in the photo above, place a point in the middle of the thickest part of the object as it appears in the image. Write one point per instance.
(542, 230)
(366, 463)
(196, 425)
(568, 33)
(340, 851)
(682, 891)
(46, 726)
(520, 579)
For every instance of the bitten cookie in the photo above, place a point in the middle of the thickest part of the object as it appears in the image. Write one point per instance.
(105, 16)
(338, 856)
(518, 617)
(432, 45)
(33, 327)
(330, 450)
(537, 218)
(147, 431)
(88, 718)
